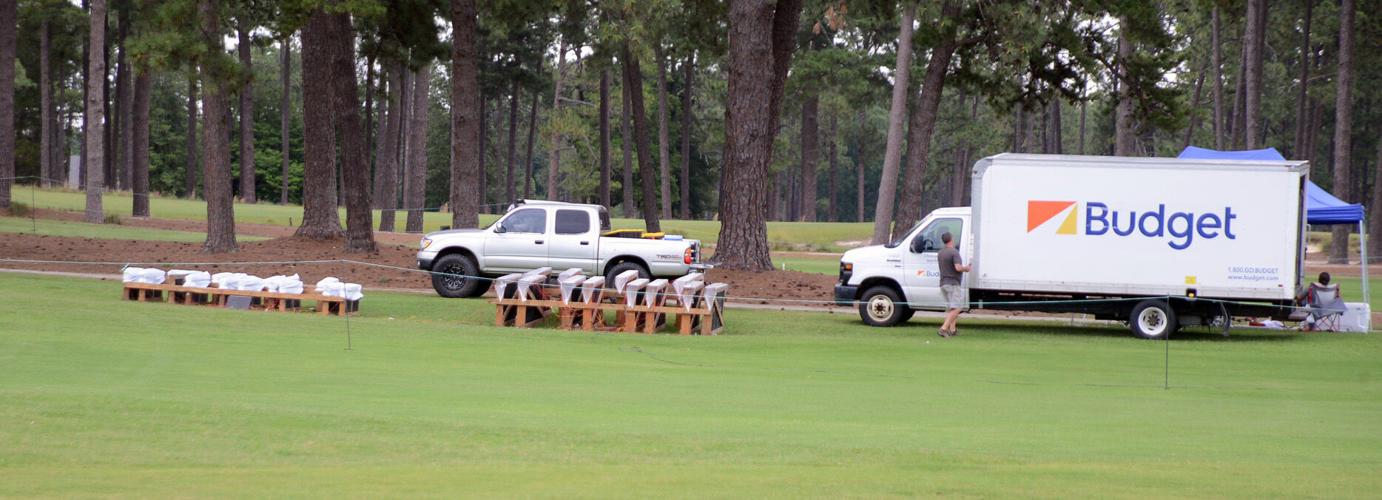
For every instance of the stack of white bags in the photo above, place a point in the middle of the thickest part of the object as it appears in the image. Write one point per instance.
(236, 281)
(333, 287)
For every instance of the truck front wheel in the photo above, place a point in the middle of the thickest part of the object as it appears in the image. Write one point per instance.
(457, 276)
(882, 306)
(1152, 320)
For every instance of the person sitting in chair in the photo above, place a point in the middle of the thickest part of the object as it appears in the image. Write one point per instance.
(1323, 303)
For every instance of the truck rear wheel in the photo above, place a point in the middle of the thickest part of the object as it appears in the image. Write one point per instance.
(621, 267)
(1152, 320)
(882, 306)
(457, 276)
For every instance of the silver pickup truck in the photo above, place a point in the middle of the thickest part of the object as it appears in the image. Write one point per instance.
(537, 234)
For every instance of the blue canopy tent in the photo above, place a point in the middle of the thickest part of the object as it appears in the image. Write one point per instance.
(1321, 208)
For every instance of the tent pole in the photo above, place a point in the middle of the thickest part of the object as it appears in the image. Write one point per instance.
(1363, 250)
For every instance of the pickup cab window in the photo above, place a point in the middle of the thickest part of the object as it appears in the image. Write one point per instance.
(525, 220)
(573, 222)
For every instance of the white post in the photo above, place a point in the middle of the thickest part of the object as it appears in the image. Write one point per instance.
(1363, 250)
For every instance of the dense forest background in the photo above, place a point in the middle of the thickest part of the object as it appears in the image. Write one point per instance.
(555, 96)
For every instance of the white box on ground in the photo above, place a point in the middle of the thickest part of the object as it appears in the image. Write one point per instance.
(1357, 318)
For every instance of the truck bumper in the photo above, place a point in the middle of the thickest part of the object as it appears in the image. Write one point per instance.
(424, 260)
(845, 294)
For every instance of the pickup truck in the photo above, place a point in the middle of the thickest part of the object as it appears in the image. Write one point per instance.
(534, 234)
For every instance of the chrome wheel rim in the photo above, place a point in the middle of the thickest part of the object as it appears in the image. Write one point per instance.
(450, 280)
(880, 307)
(1152, 321)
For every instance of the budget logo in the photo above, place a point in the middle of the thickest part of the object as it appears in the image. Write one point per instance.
(1040, 211)
(1101, 219)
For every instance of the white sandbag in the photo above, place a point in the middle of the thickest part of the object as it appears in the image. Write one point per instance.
(351, 291)
(653, 294)
(569, 285)
(529, 285)
(678, 283)
(575, 271)
(332, 289)
(152, 276)
(715, 295)
(687, 293)
(631, 291)
(131, 274)
(197, 279)
(622, 280)
(174, 275)
(504, 285)
(541, 271)
(325, 283)
(250, 283)
(227, 280)
(591, 287)
(294, 286)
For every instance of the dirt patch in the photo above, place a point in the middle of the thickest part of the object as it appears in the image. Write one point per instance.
(816, 288)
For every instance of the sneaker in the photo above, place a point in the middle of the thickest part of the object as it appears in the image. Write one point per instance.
(954, 332)
(944, 333)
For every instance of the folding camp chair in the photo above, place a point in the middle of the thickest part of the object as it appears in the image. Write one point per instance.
(1325, 307)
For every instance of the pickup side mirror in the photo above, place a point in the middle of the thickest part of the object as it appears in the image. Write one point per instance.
(499, 228)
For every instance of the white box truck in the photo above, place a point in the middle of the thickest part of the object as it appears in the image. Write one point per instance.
(1157, 242)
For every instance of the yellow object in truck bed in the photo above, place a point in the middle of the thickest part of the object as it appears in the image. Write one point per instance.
(633, 233)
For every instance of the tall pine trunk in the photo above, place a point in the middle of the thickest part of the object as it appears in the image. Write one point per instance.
(320, 218)
(1343, 129)
(415, 198)
(532, 135)
(247, 173)
(689, 73)
(1220, 129)
(633, 79)
(121, 121)
(810, 151)
(47, 167)
(1254, 40)
(923, 124)
(1194, 108)
(189, 173)
(220, 207)
(465, 120)
(386, 165)
(762, 36)
(1054, 136)
(353, 138)
(1302, 89)
(509, 193)
(285, 116)
(664, 156)
(1124, 133)
(9, 26)
(832, 163)
(604, 140)
(892, 155)
(554, 150)
(626, 136)
(859, 179)
(139, 142)
(1375, 224)
(94, 120)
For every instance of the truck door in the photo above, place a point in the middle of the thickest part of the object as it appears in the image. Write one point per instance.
(518, 242)
(922, 280)
(575, 242)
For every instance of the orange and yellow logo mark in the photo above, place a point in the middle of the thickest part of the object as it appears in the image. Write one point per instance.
(1039, 212)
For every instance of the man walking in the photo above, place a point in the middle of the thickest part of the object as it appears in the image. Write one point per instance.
(952, 269)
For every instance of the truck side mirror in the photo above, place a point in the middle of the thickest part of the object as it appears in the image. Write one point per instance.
(920, 245)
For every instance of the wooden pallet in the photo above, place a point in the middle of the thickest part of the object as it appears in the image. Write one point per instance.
(217, 297)
(629, 319)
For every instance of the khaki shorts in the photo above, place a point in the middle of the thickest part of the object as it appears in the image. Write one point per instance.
(954, 296)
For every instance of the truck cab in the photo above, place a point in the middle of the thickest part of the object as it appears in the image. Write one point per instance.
(889, 282)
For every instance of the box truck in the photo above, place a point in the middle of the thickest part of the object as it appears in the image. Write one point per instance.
(1157, 242)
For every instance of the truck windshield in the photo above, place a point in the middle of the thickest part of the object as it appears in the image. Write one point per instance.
(898, 238)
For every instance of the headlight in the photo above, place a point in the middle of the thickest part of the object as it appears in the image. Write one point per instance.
(426, 242)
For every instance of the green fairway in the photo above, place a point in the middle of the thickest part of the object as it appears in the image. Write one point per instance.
(110, 398)
(50, 227)
(807, 236)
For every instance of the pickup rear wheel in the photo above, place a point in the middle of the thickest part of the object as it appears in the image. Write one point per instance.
(621, 267)
(1152, 319)
(457, 276)
(882, 306)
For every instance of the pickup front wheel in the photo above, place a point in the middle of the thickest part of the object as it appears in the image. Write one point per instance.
(457, 276)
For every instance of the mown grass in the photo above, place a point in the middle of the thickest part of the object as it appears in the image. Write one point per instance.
(49, 227)
(108, 398)
(812, 236)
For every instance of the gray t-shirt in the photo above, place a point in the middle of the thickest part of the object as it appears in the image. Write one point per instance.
(947, 260)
